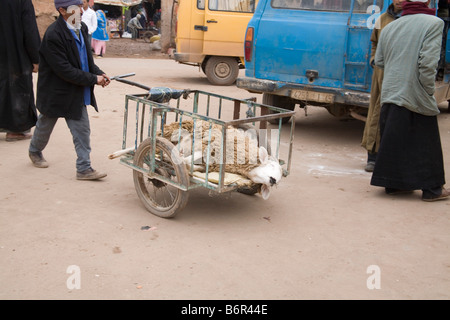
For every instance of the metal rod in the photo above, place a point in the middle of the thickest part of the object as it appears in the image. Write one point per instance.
(291, 141)
(123, 76)
(236, 110)
(207, 105)
(125, 124)
(220, 107)
(208, 152)
(133, 83)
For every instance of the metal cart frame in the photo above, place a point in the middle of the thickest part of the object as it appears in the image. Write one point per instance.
(155, 161)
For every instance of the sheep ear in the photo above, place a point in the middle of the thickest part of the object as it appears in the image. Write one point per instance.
(263, 155)
(265, 192)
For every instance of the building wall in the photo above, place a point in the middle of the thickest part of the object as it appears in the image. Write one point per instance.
(168, 21)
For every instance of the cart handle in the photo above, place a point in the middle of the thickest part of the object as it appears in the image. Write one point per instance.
(120, 79)
(123, 76)
(133, 84)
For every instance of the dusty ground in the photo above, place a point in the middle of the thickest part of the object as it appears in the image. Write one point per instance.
(316, 237)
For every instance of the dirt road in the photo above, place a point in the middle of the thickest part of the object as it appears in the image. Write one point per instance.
(324, 233)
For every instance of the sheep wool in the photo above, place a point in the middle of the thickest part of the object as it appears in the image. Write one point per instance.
(241, 145)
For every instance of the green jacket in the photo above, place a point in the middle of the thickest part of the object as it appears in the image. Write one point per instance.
(409, 50)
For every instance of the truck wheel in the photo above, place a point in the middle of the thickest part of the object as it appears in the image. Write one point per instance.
(279, 102)
(222, 71)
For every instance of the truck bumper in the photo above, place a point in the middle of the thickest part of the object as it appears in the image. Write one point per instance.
(342, 96)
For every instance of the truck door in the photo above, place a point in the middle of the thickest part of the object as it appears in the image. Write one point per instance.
(224, 26)
(357, 73)
(189, 39)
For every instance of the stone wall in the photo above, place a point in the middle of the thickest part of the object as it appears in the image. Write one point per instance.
(168, 21)
(45, 14)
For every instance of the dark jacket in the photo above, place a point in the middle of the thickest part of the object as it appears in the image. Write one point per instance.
(19, 50)
(61, 79)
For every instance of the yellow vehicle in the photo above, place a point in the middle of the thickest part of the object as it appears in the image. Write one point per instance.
(210, 35)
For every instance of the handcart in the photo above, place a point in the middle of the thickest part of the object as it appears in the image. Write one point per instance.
(162, 177)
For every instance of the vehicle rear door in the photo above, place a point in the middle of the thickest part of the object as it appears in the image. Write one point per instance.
(315, 42)
(361, 20)
(189, 39)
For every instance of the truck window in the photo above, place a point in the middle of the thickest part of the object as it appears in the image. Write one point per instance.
(360, 6)
(201, 4)
(232, 5)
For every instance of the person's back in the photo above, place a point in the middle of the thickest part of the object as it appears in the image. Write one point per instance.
(100, 35)
(411, 52)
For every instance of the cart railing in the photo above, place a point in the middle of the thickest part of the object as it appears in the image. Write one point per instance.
(149, 118)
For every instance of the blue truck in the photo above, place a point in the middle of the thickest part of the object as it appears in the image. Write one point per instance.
(316, 52)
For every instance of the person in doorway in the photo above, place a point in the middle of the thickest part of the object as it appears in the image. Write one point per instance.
(65, 87)
(143, 18)
(410, 154)
(371, 135)
(134, 25)
(90, 19)
(101, 34)
(19, 58)
(157, 19)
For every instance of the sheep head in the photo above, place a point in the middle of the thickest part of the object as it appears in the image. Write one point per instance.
(268, 173)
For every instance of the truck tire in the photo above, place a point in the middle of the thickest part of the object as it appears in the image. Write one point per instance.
(222, 71)
(279, 102)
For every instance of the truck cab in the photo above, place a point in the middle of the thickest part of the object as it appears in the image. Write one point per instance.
(210, 35)
(315, 52)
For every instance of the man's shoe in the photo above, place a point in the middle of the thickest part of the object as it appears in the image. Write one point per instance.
(444, 194)
(10, 136)
(38, 159)
(90, 174)
(370, 166)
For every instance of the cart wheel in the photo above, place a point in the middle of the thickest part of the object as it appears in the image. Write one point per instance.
(158, 197)
(222, 71)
